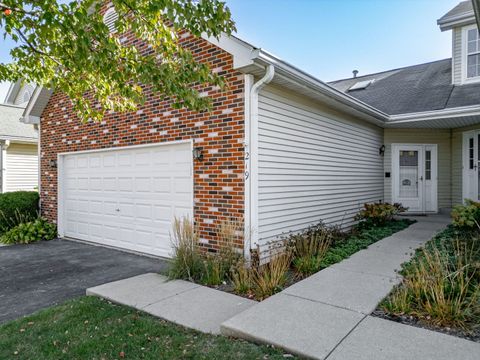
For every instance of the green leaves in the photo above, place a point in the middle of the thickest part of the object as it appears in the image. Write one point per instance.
(28, 232)
(68, 47)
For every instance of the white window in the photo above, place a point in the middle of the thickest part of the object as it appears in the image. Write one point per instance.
(471, 59)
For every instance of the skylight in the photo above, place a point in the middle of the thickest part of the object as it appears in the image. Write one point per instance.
(361, 85)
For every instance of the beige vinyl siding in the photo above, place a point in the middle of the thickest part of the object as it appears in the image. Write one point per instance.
(440, 137)
(457, 165)
(21, 167)
(314, 164)
(457, 55)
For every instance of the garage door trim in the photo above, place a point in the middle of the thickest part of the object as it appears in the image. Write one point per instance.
(60, 172)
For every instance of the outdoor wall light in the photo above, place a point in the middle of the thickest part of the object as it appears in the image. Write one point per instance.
(381, 150)
(52, 164)
(198, 154)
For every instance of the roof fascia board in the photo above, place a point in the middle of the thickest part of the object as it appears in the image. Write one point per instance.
(26, 114)
(457, 20)
(436, 114)
(17, 139)
(240, 50)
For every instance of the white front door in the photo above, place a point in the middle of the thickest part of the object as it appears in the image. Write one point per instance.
(126, 197)
(471, 161)
(414, 182)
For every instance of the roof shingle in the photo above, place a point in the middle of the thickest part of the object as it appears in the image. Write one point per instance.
(418, 88)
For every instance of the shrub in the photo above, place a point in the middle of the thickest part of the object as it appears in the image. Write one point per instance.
(309, 249)
(187, 262)
(242, 278)
(29, 232)
(17, 207)
(378, 214)
(191, 264)
(270, 278)
(466, 216)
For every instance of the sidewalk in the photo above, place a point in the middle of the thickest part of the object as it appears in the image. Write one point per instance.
(326, 316)
(181, 302)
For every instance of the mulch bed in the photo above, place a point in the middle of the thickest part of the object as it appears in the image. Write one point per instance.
(414, 321)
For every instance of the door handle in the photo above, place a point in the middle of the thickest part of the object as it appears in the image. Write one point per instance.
(421, 178)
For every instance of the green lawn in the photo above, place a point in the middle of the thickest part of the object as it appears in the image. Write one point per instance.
(91, 328)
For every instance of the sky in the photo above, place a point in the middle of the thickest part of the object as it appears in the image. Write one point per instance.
(330, 38)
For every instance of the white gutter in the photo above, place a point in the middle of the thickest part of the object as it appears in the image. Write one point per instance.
(435, 115)
(251, 157)
(294, 73)
(452, 21)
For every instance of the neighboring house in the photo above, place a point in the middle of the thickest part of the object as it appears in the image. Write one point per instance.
(18, 142)
(280, 150)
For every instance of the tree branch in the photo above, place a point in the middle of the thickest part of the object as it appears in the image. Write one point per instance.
(17, 9)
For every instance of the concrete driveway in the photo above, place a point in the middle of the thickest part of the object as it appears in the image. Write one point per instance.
(40, 275)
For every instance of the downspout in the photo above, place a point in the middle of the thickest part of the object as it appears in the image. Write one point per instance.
(5, 146)
(251, 156)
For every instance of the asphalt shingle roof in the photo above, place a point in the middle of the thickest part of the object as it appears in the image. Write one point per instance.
(418, 88)
(461, 8)
(10, 125)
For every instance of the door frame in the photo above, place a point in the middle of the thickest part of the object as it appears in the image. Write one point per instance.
(434, 173)
(465, 161)
(60, 170)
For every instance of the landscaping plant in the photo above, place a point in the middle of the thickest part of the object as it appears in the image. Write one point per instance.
(29, 232)
(308, 249)
(17, 207)
(187, 262)
(190, 263)
(378, 214)
(271, 277)
(466, 216)
(269, 271)
(441, 283)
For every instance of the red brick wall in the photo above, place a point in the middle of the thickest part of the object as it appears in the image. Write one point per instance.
(218, 179)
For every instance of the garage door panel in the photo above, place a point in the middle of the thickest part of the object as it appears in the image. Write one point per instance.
(128, 197)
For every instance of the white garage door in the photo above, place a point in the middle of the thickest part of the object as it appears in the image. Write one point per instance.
(126, 198)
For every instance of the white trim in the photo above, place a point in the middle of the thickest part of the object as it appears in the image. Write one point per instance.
(457, 20)
(465, 79)
(465, 161)
(127, 147)
(473, 110)
(60, 167)
(31, 104)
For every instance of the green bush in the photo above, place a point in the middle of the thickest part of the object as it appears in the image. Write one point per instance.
(29, 232)
(466, 216)
(17, 207)
(379, 214)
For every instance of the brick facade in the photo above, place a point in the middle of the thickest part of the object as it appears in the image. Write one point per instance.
(218, 178)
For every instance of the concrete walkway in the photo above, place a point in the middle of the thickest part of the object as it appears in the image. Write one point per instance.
(326, 316)
(181, 302)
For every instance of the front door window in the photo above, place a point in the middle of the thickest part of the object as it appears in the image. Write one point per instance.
(408, 174)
